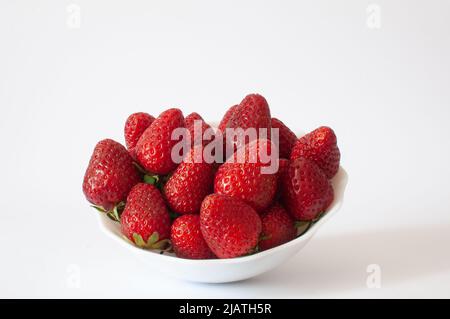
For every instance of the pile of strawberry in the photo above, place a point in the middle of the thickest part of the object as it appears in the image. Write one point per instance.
(208, 210)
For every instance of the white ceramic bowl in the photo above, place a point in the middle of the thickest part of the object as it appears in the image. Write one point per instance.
(226, 270)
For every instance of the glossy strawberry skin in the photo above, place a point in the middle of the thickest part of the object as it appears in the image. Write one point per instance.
(110, 175)
(135, 126)
(197, 139)
(231, 228)
(154, 148)
(287, 138)
(226, 118)
(187, 239)
(191, 118)
(145, 213)
(246, 180)
(190, 183)
(321, 147)
(306, 190)
(253, 111)
(277, 228)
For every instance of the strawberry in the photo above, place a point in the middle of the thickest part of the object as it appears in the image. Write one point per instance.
(306, 191)
(224, 124)
(252, 112)
(190, 183)
(277, 228)
(187, 239)
(287, 138)
(135, 126)
(242, 176)
(154, 148)
(191, 118)
(226, 118)
(320, 146)
(231, 228)
(110, 175)
(196, 138)
(145, 220)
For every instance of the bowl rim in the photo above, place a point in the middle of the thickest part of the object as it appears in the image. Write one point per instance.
(337, 203)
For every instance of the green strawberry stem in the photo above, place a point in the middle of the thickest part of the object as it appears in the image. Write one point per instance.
(114, 213)
(253, 251)
(303, 226)
(151, 179)
(153, 242)
(99, 208)
(162, 245)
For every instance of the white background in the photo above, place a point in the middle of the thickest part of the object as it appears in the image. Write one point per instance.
(385, 91)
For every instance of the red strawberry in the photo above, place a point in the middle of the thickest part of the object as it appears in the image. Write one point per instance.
(242, 176)
(187, 239)
(287, 138)
(226, 118)
(154, 148)
(190, 183)
(135, 126)
(145, 219)
(320, 146)
(231, 228)
(252, 112)
(191, 118)
(277, 228)
(110, 175)
(196, 138)
(306, 191)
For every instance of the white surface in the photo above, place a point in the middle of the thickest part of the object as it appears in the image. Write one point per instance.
(385, 92)
(226, 270)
